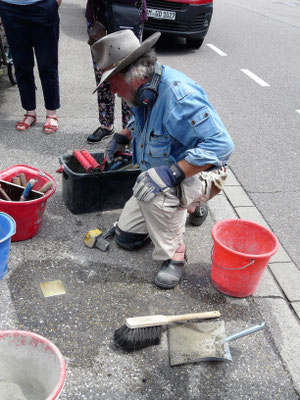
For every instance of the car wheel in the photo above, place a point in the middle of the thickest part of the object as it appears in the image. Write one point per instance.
(194, 43)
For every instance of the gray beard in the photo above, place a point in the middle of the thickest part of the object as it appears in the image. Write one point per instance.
(133, 103)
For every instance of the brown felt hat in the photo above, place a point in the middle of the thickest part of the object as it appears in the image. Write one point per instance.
(117, 50)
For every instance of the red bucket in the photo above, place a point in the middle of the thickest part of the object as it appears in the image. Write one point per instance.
(240, 255)
(27, 214)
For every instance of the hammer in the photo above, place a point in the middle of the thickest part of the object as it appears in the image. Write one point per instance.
(95, 238)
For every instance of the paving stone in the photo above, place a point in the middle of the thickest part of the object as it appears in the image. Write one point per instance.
(231, 179)
(220, 208)
(280, 256)
(268, 286)
(251, 214)
(288, 277)
(237, 196)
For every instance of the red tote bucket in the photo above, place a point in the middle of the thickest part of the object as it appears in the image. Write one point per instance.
(240, 255)
(27, 214)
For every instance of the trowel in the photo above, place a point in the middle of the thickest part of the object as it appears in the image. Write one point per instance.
(202, 341)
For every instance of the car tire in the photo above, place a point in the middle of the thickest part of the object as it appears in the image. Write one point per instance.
(194, 43)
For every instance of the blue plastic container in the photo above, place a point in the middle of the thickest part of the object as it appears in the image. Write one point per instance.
(7, 230)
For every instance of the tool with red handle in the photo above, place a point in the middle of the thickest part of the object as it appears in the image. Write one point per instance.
(83, 161)
(91, 159)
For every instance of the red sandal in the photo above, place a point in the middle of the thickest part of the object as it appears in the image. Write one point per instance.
(49, 128)
(22, 125)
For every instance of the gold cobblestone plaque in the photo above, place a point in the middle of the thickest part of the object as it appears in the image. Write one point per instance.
(52, 288)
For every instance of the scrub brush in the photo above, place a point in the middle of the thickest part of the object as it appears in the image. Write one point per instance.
(140, 332)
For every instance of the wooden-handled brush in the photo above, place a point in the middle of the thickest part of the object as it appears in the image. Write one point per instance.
(140, 332)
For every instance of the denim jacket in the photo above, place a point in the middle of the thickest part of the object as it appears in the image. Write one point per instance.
(181, 124)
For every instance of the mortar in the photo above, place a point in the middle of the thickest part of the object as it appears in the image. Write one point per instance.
(31, 367)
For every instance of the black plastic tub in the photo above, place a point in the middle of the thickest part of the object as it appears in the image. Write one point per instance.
(95, 191)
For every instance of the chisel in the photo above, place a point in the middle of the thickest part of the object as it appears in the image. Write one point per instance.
(28, 189)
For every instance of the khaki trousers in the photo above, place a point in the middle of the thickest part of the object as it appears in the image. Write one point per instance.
(164, 217)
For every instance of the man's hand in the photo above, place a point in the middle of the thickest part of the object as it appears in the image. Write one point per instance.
(59, 2)
(117, 143)
(156, 180)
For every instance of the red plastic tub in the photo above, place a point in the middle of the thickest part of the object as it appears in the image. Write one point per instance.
(27, 214)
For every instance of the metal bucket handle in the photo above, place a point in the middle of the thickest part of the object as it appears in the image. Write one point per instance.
(230, 269)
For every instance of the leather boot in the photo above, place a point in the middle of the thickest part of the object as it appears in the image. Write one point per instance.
(169, 274)
(99, 134)
(199, 215)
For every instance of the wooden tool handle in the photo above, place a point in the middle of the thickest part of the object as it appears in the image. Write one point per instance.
(186, 317)
(48, 185)
(23, 179)
(4, 194)
(16, 180)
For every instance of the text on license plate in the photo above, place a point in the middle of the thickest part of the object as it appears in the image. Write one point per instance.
(161, 14)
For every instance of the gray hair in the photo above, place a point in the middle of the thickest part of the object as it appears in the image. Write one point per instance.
(142, 68)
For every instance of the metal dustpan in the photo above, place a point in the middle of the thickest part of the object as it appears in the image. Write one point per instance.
(202, 341)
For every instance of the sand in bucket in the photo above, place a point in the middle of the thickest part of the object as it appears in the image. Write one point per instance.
(17, 382)
(31, 367)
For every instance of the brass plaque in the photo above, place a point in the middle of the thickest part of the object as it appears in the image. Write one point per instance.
(52, 288)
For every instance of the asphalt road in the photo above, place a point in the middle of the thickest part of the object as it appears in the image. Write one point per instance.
(104, 288)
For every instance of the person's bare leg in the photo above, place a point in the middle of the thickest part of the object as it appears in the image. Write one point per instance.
(179, 254)
(28, 121)
(51, 124)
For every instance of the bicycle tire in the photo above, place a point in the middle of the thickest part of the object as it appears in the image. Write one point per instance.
(11, 73)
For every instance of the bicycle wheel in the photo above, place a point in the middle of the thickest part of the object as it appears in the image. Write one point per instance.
(11, 73)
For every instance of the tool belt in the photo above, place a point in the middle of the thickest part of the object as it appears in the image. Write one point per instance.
(201, 187)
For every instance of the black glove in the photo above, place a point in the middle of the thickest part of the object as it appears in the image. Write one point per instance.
(117, 144)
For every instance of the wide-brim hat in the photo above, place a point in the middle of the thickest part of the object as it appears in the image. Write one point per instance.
(117, 50)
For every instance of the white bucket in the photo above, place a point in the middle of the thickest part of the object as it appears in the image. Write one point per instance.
(31, 367)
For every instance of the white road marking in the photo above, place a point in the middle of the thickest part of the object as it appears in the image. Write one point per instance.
(298, 111)
(255, 77)
(290, 4)
(220, 52)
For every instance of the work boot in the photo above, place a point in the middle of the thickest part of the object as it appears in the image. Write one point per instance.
(199, 215)
(169, 274)
(99, 134)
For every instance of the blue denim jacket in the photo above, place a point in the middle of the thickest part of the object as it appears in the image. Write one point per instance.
(182, 124)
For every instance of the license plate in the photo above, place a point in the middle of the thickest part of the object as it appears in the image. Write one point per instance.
(161, 14)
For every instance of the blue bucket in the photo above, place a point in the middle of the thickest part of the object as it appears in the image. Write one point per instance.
(7, 230)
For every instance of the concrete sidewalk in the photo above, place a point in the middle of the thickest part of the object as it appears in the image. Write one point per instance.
(102, 289)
